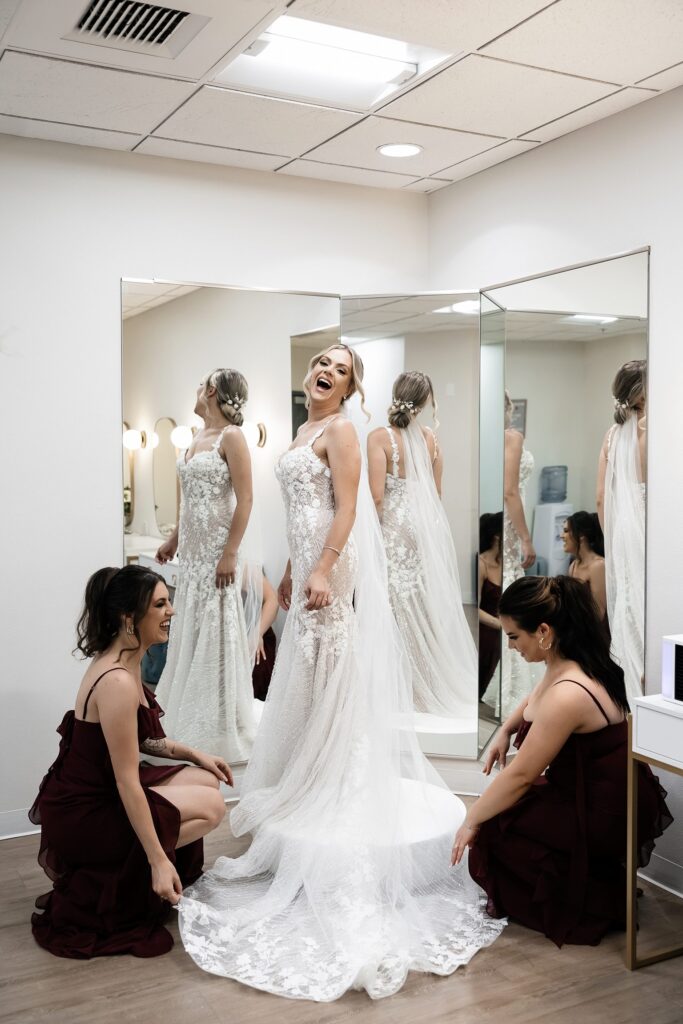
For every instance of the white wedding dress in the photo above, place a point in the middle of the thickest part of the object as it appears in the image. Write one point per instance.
(347, 882)
(424, 584)
(625, 552)
(206, 687)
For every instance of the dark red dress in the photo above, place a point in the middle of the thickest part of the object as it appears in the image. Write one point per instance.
(555, 862)
(490, 639)
(102, 900)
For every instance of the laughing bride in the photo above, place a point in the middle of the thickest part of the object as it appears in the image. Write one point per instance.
(347, 882)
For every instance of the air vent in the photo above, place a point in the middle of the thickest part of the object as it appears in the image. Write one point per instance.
(131, 25)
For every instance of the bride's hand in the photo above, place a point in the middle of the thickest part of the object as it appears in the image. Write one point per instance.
(284, 592)
(317, 590)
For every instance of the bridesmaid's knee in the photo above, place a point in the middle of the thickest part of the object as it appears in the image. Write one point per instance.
(208, 779)
(214, 808)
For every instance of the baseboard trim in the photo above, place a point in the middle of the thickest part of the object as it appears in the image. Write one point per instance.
(664, 873)
(16, 823)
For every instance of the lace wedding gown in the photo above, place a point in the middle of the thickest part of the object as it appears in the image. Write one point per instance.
(206, 687)
(347, 881)
(518, 677)
(625, 552)
(424, 587)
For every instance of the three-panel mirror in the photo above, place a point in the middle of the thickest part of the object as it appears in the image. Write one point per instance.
(507, 399)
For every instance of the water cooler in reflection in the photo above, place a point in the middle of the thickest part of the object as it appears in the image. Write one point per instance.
(549, 520)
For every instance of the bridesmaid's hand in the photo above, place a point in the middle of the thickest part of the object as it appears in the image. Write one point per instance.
(165, 881)
(464, 837)
(317, 590)
(260, 653)
(284, 592)
(218, 766)
(497, 751)
(226, 570)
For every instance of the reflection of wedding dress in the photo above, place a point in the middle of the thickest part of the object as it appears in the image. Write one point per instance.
(625, 552)
(424, 586)
(206, 686)
(346, 883)
(518, 677)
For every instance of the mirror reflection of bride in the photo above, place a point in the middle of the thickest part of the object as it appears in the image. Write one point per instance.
(346, 883)
(405, 464)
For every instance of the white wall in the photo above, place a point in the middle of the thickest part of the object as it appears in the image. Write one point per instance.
(74, 221)
(608, 188)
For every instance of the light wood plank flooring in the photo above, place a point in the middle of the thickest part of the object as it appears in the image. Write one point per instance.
(521, 979)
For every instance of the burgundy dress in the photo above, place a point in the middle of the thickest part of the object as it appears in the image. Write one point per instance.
(555, 862)
(102, 900)
(490, 639)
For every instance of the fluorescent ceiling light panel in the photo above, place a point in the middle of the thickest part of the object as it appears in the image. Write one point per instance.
(589, 318)
(467, 306)
(309, 60)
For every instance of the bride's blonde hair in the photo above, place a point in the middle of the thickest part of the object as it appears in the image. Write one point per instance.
(357, 371)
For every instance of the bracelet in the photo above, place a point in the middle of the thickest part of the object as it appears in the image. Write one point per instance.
(328, 547)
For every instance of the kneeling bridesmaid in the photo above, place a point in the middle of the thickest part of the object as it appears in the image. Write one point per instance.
(548, 837)
(120, 838)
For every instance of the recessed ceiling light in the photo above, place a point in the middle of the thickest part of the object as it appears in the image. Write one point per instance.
(399, 149)
(594, 319)
(467, 306)
(309, 59)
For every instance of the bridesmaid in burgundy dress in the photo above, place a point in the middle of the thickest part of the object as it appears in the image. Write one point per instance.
(549, 850)
(120, 838)
(490, 585)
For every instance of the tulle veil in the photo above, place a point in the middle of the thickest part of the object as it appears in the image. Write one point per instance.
(625, 552)
(347, 882)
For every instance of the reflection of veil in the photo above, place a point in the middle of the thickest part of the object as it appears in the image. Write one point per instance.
(251, 558)
(347, 881)
(451, 654)
(625, 552)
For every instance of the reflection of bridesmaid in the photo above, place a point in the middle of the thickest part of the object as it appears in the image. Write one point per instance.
(622, 472)
(583, 540)
(405, 466)
(490, 580)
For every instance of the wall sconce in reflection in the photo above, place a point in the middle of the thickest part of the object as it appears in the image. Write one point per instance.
(134, 439)
(153, 439)
(254, 434)
(181, 437)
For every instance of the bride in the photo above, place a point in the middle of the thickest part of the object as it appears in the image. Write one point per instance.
(346, 883)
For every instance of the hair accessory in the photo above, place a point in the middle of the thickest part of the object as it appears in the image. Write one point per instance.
(620, 405)
(237, 402)
(404, 406)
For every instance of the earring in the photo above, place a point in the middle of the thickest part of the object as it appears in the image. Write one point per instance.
(130, 630)
(540, 644)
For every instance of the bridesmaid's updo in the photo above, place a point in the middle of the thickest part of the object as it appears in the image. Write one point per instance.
(110, 594)
(567, 606)
(232, 392)
(409, 395)
(587, 525)
(628, 388)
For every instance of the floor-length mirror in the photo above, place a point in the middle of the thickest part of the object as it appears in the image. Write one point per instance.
(421, 358)
(174, 336)
(574, 402)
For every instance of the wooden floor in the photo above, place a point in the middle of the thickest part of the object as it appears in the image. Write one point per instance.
(521, 979)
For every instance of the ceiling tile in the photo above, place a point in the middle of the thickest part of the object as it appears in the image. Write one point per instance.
(482, 95)
(669, 79)
(427, 185)
(587, 115)
(348, 175)
(453, 25)
(619, 41)
(260, 124)
(7, 9)
(494, 156)
(95, 97)
(55, 132)
(154, 146)
(357, 147)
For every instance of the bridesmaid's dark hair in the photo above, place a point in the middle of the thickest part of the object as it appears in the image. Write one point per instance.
(490, 527)
(109, 595)
(587, 525)
(566, 604)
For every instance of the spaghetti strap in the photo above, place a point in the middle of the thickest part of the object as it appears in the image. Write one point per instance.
(317, 434)
(394, 452)
(591, 695)
(85, 706)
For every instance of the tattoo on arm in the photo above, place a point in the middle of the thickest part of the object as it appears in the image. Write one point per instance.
(157, 747)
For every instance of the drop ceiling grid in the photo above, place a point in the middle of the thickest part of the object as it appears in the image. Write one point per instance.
(522, 73)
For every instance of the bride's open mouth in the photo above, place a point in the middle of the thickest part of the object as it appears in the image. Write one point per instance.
(323, 384)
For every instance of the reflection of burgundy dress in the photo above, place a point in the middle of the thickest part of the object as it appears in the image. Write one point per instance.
(489, 638)
(102, 901)
(555, 862)
(260, 677)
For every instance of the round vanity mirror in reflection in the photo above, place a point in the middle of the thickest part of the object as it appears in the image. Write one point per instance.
(128, 488)
(165, 479)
